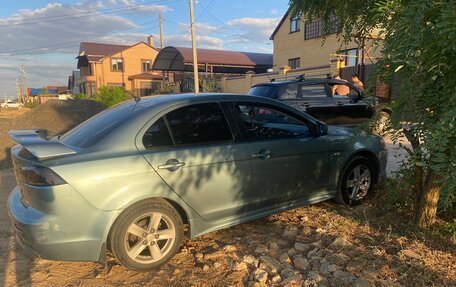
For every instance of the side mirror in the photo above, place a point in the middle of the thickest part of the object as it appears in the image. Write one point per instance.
(322, 129)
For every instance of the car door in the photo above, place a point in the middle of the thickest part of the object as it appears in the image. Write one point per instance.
(351, 109)
(288, 162)
(192, 148)
(314, 97)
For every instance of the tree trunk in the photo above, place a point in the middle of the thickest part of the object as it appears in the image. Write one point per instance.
(426, 212)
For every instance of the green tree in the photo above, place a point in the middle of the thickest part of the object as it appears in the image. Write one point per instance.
(419, 49)
(110, 96)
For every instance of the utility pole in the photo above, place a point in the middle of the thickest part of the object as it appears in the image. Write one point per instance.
(195, 60)
(162, 44)
(23, 83)
(18, 92)
(162, 40)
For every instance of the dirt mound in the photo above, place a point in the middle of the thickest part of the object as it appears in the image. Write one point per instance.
(54, 116)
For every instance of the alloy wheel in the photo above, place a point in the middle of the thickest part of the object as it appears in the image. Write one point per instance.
(149, 237)
(358, 182)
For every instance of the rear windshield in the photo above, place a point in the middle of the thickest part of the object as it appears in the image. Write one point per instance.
(262, 91)
(98, 127)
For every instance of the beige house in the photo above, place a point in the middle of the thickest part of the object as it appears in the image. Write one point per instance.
(118, 65)
(298, 44)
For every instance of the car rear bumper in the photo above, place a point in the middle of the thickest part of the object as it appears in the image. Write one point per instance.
(58, 236)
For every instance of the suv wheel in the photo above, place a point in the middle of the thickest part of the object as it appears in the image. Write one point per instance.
(146, 235)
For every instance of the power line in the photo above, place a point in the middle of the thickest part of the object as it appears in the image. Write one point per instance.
(218, 32)
(205, 9)
(65, 44)
(64, 17)
(234, 30)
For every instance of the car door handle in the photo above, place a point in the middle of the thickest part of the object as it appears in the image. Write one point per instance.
(262, 154)
(340, 103)
(172, 165)
(305, 105)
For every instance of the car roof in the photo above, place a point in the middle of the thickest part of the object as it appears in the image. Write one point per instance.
(170, 99)
(287, 82)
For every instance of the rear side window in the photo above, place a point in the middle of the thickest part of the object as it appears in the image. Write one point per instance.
(313, 91)
(157, 136)
(290, 92)
(201, 123)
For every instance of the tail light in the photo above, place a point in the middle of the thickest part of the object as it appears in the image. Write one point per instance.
(40, 176)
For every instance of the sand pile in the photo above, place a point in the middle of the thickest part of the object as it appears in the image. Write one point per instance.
(54, 116)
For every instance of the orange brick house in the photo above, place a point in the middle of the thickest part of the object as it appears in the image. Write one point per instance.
(118, 65)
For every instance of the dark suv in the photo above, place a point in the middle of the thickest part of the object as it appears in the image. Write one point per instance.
(319, 98)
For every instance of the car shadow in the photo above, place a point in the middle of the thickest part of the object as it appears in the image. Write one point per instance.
(15, 263)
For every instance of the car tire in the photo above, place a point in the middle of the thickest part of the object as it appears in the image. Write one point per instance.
(146, 235)
(357, 181)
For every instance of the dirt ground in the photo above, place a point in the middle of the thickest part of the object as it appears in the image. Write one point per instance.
(54, 116)
(320, 245)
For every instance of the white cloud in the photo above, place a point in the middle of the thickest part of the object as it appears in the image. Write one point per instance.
(21, 32)
(184, 40)
(256, 28)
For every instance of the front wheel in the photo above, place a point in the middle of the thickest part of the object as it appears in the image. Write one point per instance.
(146, 235)
(357, 182)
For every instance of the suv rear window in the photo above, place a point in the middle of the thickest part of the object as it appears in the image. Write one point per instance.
(262, 91)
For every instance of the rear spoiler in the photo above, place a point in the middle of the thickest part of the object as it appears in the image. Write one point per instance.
(36, 143)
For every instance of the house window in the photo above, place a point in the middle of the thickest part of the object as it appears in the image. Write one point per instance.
(146, 65)
(90, 69)
(314, 29)
(294, 63)
(116, 64)
(295, 24)
(351, 57)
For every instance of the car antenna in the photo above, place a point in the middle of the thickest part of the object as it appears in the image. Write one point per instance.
(137, 100)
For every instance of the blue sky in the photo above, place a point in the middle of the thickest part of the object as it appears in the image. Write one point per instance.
(45, 35)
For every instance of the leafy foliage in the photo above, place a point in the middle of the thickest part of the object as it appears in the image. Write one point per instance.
(209, 86)
(110, 96)
(31, 105)
(80, 96)
(420, 52)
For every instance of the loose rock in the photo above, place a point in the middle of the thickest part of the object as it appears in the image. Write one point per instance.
(250, 260)
(284, 258)
(271, 264)
(295, 279)
(361, 282)
(276, 279)
(339, 242)
(300, 262)
(241, 266)
(302, 247)
(260, 249)
(229, 248)
(260, 275)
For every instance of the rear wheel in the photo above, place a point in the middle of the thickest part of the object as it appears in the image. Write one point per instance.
(357, 182)
(146, 235)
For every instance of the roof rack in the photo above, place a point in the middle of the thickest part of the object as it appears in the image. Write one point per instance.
(302, 76)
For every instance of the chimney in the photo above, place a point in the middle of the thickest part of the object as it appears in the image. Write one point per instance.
(151, 40)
